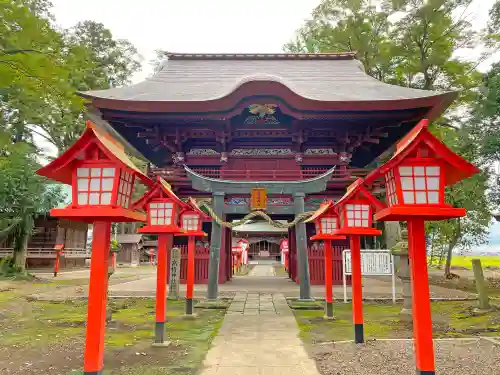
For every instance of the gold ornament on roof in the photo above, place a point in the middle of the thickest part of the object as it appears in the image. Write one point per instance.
(262, 110)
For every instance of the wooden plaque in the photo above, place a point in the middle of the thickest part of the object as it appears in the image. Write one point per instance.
(258, 200)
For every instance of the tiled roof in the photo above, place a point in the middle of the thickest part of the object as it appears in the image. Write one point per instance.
(204, 77)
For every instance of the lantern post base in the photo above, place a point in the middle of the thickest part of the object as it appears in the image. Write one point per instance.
(329, 311)
(359, 336)
(189, 306)
(160, 335)
(425, 372)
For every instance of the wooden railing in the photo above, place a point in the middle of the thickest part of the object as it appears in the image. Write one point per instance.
(48, 253)
(259, 175)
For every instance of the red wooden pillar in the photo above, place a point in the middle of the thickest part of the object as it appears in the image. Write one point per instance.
(190, 275)
(56, 264)
(328, 279)
(357, 290)
(164, 243)
(98, 289)
(421, 308)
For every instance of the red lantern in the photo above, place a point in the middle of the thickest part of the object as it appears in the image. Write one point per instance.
(415, 179)
(416, 176)
(191, 222)
(355, 211)
(162, 207)
(327, 223)
(102, 178)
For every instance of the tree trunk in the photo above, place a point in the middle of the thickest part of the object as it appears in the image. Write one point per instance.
(451, 246)
(392, 233)
(21, 243)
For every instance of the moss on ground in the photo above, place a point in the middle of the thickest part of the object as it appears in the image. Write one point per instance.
(31, 326)
(381, 320)
(244, 270)
(280, 271)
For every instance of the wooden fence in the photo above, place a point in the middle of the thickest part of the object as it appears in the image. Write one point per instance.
(317, 265)
(201, 259)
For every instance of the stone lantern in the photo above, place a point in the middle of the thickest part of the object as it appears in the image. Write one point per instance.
(400, 250)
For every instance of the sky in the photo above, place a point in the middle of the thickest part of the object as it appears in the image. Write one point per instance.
(212, 26)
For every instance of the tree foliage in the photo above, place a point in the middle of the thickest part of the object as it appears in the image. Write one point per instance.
(405, 42)
(41, 69)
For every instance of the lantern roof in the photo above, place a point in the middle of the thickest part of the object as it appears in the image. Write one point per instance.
(325, 207)
(159, 189)
(358, 190)
(194, 207)
(456, 167)
(61, 169)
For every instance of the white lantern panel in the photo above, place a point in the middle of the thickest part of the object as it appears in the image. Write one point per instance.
(83, 184)
(94, 198)
(161, 221)
(108, 172)
(350, 222)
(82, 172)
(419, 183)
(95, 172)
(433, 197)
(432, 171)
(95, 184)
(432, 183)
(419, 171)
(420, 197)
(106, 198)
(408, 197)
(83, 198)
(107, 184)
(405, 171)
(365, 223)
(350, 214)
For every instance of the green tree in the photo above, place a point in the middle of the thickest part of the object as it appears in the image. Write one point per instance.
(406, 42)
(23, 194)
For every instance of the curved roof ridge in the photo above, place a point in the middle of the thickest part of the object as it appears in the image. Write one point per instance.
(261, 56)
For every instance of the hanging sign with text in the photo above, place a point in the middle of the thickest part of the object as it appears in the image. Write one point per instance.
(259, 199)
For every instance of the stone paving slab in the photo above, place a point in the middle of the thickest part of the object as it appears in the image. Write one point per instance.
(259, 341)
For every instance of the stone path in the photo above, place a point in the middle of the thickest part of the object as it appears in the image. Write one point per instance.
(259, 336)
(262, 270)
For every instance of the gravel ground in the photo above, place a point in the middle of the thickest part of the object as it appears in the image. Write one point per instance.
(453, 357)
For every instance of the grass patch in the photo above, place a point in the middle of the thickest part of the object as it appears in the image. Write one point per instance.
(30, 327)
(244, 270)
(450, 319)
(280, 271)
(465, 261)
(306, 305)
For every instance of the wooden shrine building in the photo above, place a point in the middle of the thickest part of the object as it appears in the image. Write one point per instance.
(261, 119)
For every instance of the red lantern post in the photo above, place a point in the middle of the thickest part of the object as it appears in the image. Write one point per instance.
(191, 225)
(415, 178)
(326, 221)
(102, 179)
(162, 207)
(59, 252)
(355, 210)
